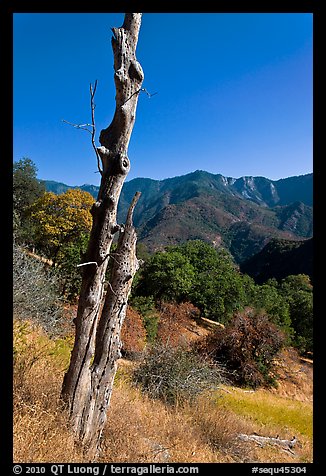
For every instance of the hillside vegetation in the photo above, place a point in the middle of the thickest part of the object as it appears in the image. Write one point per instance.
(241, 214)
(143, 429)
(280, 258)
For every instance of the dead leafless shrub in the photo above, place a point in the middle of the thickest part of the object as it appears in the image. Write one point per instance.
(35, 291)
(176, 375)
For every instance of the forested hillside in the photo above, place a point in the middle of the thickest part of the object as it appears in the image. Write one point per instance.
(203, 343)
(280, 258)
(240, 214)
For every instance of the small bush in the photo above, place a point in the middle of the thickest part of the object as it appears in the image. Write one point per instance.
(175, 375)
(35, 291)
(175, 323)
(247, 347)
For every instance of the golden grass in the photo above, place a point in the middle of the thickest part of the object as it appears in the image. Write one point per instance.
(143, 430)
(271, 410)
(271, 415)
(40, 427)
(140, 429)
(295, 377)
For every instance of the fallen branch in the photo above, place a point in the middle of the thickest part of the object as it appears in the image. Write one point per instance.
(288, 450)
(213, 323)
(261, 440)
(224, 389)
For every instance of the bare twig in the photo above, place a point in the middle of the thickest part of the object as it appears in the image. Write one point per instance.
(149, 95)
(92, 130)
(288, 450)
(79, 126)
(92, 92)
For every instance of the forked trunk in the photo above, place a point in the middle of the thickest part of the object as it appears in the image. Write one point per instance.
(88, 382)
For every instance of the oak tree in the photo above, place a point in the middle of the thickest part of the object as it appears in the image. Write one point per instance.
(26, 190)
(61, 219)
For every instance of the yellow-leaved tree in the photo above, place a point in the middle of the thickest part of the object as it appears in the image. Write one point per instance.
(61, 219)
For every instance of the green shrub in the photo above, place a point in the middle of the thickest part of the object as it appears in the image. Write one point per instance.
(298, 292)
(70, 276)
(194, 272)
(26, 190)
(167, 276)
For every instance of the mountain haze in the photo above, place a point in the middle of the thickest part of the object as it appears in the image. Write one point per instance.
(241, 214)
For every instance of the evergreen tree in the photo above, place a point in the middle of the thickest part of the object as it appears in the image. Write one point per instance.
(26, 190)
(298, 293)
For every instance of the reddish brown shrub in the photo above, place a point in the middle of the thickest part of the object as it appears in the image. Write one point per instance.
(247, 347)
(133, 334)
(177, 324)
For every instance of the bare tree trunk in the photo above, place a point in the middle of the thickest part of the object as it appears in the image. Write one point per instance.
(87, 385)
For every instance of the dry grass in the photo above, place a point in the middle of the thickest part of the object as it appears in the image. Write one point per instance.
(143, 430)
(140, 429)
(295, 379)
(40, 423)
(270, 415)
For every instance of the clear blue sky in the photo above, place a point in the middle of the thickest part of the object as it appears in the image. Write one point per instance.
(234, 93)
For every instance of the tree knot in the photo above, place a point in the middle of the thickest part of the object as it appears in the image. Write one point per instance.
(135, 71)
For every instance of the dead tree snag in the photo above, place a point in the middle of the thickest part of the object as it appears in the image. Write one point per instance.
(88, 382)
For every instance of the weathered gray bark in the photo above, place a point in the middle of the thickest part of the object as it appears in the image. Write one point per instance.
(88, 382)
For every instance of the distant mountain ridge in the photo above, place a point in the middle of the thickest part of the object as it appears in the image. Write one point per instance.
(241, 214)
(260, 190)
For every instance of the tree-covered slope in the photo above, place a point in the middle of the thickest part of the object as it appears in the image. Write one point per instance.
(241, 214)
(279, 259)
